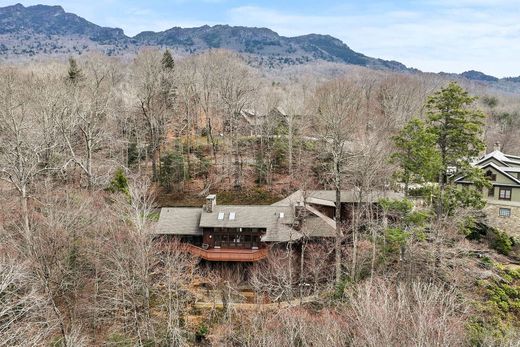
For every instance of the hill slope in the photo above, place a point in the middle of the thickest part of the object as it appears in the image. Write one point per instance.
(50, 31)
(40, 29)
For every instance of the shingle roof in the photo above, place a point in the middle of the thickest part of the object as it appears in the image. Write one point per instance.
(498, 155)
(314, 226)
(247, 216)
(278, 229)
(179, 221)
(509, 169)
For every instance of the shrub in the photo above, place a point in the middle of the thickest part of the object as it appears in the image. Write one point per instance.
(119, 183)
(502, 243)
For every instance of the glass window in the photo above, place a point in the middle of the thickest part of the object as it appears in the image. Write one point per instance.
(232, 215)
(491, 176)
(504, 212)
(504, 194)
(221, 216)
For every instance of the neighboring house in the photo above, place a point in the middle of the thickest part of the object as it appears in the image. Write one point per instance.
(503, 197)
(242, 232)
(251, 122)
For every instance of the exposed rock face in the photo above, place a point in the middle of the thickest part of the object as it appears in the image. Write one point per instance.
(50, 31)
(35, 30)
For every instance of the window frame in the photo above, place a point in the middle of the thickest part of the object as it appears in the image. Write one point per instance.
(504, 212)
(506, 196)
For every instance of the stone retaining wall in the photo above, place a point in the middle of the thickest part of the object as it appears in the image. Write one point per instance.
(510, 225)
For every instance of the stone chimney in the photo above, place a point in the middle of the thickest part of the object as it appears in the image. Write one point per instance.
(211, 202)
(497, 146)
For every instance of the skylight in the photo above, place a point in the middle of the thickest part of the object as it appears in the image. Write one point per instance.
(220, 216)
(282, 214)
(232, 215)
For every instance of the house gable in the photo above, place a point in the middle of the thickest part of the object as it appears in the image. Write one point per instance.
(501, 176)
(492, 160)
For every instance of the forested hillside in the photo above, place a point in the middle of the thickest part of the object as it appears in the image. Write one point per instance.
(91, 148)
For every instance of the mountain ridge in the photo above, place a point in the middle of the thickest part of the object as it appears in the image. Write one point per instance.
(50, 30)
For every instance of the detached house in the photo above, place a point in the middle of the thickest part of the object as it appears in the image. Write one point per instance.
(503, 197)
(242, 232)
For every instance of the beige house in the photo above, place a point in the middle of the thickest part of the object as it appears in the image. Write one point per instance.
(503, 198)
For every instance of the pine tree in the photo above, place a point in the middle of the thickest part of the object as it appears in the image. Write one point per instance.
(444, 148)
(74, 73)
(458, 128)
(416, 154)
(167, 61)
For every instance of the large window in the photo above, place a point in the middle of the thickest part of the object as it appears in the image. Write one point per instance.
(504, 212)
(504, 193)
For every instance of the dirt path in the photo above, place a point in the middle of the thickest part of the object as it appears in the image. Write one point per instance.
(246, 306)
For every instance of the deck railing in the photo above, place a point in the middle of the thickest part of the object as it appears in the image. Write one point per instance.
(226, 254)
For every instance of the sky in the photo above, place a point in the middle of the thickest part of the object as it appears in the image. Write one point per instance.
(431, 35)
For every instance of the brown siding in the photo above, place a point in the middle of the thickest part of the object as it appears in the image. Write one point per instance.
(206, 233)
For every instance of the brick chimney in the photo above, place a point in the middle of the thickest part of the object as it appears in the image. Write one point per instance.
(211, 202)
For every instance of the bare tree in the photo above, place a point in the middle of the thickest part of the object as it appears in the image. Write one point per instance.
(420, 314)
(154, 92)
(206, 65)
(129, 256)
(22, 142)
(24, 313)
(336, 106)
(85, 127)
(235, 90)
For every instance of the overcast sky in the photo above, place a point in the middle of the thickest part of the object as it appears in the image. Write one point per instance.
(431, 35)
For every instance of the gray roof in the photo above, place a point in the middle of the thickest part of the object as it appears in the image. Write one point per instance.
(314, 226)
(278, 229)
(498, 155)
(247, 216)
(509, 169)
(179, 221)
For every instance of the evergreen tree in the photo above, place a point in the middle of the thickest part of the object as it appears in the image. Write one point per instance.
(74, 74)
(416, 154)
(119, 183)
(457, 128)
(173, 170)
(167, 61)
(443, 149)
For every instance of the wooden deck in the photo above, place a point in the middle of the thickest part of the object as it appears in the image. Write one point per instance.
(227, 254)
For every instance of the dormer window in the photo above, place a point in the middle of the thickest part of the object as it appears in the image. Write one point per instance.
(490, 175)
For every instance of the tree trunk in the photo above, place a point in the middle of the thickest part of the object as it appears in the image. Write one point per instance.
(355, 232)
(290, 151)
(302, 266)
(439, 213)
(89, 165)
(337, 243)
(25, 212)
